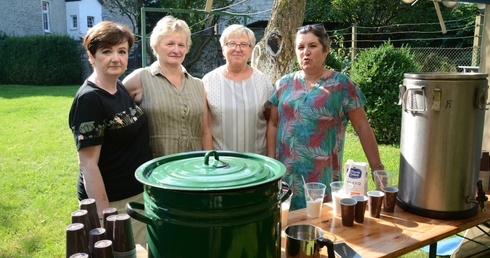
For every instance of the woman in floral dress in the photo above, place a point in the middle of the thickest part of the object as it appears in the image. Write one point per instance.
(309, 115)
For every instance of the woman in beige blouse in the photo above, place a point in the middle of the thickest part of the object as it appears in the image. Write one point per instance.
(174, 101)
(238, 95)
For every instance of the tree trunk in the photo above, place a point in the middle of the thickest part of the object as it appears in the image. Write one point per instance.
(274, 54)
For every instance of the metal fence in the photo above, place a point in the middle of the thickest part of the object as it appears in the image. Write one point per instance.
(445, 59)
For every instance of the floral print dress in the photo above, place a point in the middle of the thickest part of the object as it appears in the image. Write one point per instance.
(311, 129)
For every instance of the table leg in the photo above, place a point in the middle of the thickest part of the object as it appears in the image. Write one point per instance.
(433, 250)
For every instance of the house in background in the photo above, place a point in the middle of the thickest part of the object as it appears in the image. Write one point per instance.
(44, 17)
(82, 15)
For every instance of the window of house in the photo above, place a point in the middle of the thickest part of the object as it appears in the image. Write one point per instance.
(74, 21)
(90, 21)
(46, 18)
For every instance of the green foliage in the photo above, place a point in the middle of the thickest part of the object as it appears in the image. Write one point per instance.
(379, 21)
(379, 72)
(40, 60)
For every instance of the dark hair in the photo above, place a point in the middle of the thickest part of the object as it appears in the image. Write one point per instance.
(318, 30)
(107, 34)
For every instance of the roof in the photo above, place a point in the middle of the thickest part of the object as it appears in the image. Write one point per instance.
(100, 1)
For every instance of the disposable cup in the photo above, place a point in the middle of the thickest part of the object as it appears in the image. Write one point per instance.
(314, 194)
(76, 240)
(383, 178)
(389, 201)
(285, 210)
(339, 190)
(375, 202)
(361, 205)
(348, 211)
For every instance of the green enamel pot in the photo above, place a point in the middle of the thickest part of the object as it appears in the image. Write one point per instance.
(212, 204)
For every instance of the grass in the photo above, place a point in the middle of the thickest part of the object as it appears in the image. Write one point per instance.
(38, 169)
(38, 165)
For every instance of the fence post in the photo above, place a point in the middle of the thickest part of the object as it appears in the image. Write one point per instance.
(353, 43)
(476, 41)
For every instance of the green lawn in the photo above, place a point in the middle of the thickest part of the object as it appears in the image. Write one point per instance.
(38, 165)
(38, 168)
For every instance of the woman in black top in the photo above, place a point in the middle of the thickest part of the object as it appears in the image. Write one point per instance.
(110, 130)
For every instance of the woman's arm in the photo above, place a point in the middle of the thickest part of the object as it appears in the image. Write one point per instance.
(272, 132)
(88, 159)
(133, 84)
(361, 125)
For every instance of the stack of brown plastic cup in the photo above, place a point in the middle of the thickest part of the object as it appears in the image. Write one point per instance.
(103, 249)
(76, 240)
(96, 234)
(108, 212)
(81, 216)
(91, 207)
(109, 226)
(123, 243)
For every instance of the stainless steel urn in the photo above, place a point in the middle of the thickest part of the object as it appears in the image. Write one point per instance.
(441, 140)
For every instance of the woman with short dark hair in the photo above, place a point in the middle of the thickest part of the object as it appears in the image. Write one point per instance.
(110, 130)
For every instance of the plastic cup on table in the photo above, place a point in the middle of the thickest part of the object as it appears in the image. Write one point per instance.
(339, 190)
(375, 202)
(314, 194)
(285, 211)
(361, 205)
(383, 178)
(389, 202)
(348, 211)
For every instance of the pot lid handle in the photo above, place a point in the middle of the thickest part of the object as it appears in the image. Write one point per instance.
(217, 163)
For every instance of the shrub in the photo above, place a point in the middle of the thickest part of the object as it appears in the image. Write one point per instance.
(379, 72)
(41, 60)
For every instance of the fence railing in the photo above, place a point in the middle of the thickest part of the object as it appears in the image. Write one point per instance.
(443, 59)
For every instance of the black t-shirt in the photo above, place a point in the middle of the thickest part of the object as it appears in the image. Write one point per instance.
(120, 126)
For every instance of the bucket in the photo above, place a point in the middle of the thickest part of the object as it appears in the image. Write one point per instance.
(440, 146)
(200, 206)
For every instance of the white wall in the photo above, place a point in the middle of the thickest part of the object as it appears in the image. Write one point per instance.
(82, 9)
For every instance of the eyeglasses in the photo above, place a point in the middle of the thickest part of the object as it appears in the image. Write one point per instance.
(311, 27)
(232, 44)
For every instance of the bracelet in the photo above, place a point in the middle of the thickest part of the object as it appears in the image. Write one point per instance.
(380, 165)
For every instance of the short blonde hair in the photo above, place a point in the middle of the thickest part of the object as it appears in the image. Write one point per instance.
(169, 25)
(237, 30)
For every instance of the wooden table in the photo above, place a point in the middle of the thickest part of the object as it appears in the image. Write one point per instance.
(391, 235)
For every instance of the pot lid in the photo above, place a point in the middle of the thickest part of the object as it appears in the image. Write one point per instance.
(212, 170)
(446, 76)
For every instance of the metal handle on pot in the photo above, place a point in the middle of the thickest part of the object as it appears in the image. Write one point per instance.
(135, 215)
(285, 194)
(217, 163)
(481, 98)
(401, 93)
(413, 106)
